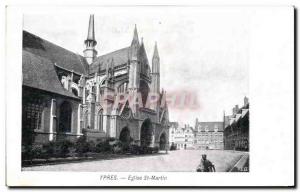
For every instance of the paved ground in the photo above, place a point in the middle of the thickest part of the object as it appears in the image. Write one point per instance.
(180, 160)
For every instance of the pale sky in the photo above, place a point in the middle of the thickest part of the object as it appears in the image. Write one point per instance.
(202, 50)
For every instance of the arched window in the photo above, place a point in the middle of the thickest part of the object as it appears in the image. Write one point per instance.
(86, 119)
(144, 89)
(94, 89)
(75, 92)
(100, 119)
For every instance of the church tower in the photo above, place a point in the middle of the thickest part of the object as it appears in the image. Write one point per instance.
(155, 75)
(90, 52)
(134, 68)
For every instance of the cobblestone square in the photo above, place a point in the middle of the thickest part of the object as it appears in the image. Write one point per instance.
(180, 160)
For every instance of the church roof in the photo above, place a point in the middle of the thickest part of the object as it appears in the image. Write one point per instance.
(117, 57)
(56, 54)
(210, 126)
(39, 73)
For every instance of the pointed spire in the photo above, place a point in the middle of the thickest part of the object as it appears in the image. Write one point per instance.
(155, 54)
(91, 30)
(135, 40)
(90, 52)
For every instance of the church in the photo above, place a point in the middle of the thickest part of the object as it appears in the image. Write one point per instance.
(66, 95)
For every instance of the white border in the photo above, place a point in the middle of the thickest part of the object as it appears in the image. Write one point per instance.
(272, 119)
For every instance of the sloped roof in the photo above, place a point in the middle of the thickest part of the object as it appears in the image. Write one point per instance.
(238, 116)
(117, 57)
(56, 54)
(244, 112)
(39, 73)
(210, 126)
(232, 120)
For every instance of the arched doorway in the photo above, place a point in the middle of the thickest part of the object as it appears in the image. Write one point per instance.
(125, 135)
(162, 141)
(146, 133)
(65, 117)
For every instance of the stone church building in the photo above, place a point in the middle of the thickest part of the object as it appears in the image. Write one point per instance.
(66, 95)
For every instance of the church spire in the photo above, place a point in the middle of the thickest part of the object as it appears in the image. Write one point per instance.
(155, 60)
(134, 68)
(90, 52)
(135, 40)
(91, 31)
(155, 53)
(155, 75)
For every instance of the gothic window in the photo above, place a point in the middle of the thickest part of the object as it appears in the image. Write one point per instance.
(122, 88)
(100, 120)
(87, 92)
(74, 91)
(144, 90)
(81, 117)
(93, 89)
(86, 119)
(147, 70)
(33, 115)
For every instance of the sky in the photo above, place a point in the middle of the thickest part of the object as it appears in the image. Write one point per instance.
(203, 51)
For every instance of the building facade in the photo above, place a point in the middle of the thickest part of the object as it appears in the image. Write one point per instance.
(209, 135)
(66, 95)
(181, 136)
(236, 133)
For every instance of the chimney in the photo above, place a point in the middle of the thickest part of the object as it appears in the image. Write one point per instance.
(235, 109)
(246, 101)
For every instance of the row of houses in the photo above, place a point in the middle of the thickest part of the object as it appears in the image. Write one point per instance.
(236, 132)
(230, 134)
(204, 135)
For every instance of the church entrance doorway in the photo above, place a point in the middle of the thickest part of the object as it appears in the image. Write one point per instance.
(162, 141)
(125, 136)
(146, 133)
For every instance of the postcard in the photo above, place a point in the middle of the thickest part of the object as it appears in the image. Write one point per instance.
(150, 96)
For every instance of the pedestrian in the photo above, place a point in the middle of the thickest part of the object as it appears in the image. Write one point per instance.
(205, 165)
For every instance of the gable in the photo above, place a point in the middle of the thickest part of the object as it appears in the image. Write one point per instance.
(38, 72)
